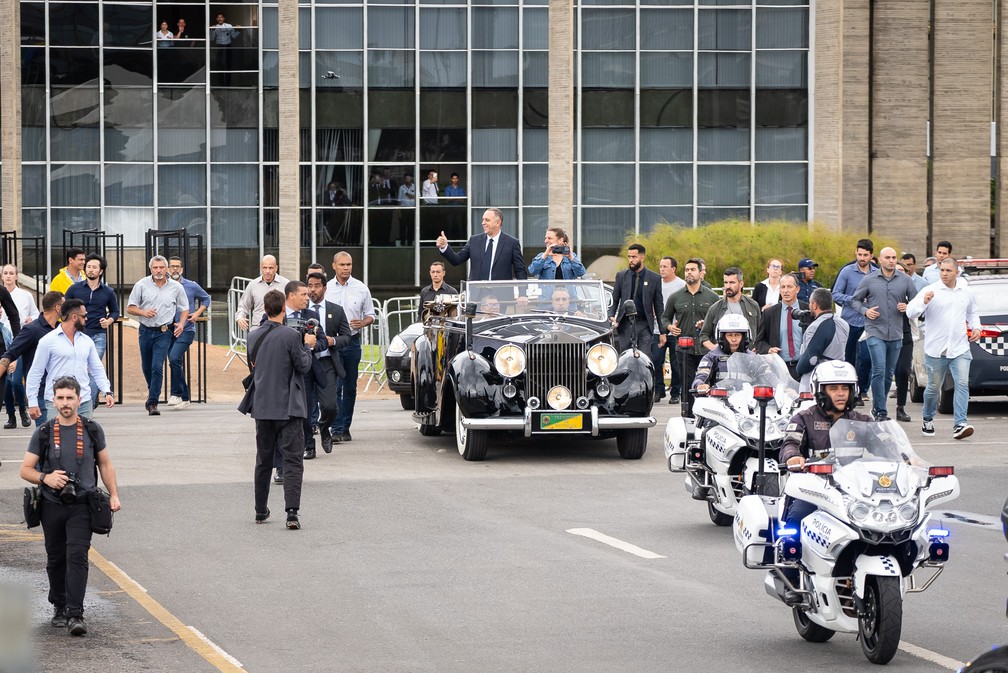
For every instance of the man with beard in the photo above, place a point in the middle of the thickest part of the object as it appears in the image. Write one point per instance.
(101, 304)
(335, 329)
(67, 351)
(156, 301)
(26, 342)
(644, 287)
(847, 281)
(179, 398)
(684, 314)
(733, 302)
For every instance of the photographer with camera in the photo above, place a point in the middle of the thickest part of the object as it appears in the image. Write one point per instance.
(780, 330)
(557, 261)
(824, 339)
(64, 457)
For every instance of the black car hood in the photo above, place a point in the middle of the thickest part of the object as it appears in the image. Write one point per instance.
(536, 329)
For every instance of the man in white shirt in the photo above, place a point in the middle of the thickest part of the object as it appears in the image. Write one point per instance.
(947, 305)
(670, 283)
(429, 190)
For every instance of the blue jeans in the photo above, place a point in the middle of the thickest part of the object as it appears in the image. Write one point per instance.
(856, 353)
(101, 344)
(346, 387)
(176, 362)
(15, 393)
(154, 345)
(884, 355)
(936, 368)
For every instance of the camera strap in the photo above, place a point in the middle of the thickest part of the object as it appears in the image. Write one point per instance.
(80, 439)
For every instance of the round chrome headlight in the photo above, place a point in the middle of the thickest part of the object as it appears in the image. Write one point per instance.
(602, 359)
(908, 512)
(559, 398)
(509, 360)
(748, 425)
(859, 511)
(398, 346)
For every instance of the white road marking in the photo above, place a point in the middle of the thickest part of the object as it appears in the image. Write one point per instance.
(613, 542)
(216, 647)
(933, 657)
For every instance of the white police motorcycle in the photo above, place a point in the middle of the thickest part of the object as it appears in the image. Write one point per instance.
(718, 448)
(858, 555)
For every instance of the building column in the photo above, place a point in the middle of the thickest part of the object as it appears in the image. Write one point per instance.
(10, 115)
(1001, 101)
(963, 72)
(561, 115)
(899, 123)
(290, 128)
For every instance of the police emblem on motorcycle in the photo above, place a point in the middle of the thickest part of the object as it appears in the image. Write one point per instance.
(851, 436)
(884, 481)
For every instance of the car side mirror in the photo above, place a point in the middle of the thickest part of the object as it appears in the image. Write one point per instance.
(630, 308)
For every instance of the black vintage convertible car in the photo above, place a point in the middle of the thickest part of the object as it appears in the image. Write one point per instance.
(535, 358)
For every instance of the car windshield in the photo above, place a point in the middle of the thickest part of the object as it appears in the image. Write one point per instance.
(758, 370)
(577, 298)
(991, 298)
(872, 442)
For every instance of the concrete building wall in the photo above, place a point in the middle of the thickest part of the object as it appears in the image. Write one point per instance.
(10, 115)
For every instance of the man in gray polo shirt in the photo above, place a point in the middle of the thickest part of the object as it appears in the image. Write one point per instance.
(250, 312)
(154, 301)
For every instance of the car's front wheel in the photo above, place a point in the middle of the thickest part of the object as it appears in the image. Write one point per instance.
(407, 402)
(631, 444)
(471, 444)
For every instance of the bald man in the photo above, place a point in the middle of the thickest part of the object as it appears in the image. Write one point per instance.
(250, 308)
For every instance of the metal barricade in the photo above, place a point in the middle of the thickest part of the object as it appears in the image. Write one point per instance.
(400, 313)
(237, 337)
(190, 368)
(373, 344)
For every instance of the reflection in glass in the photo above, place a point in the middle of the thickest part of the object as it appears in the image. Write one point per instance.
(392, 69)
(33, 186)
(495, 28)
(443, 69)
(497, 69)
(130, 222)
(608, 28)
(234, 184)
(390, 28)
(724, 29)
(723, 185)
(666, 184)
(495, 145)
(781, 183)
(494, 186)
(339, 28)
(339, 226)
(605, 226)
(723, 144)
(650, 217)
(235, 144)
(442, 28)
(129, 185)
(607, 184)
(128, 67)
(74, 24)
(128, 25)
(666, 144)
(348, 65)
(666, 29)
(70, 67)
(609, 144)
(182, 185)
(75, 185)
(181, 144)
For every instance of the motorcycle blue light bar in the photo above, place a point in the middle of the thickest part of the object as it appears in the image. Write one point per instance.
(938, 532)
(787, 532)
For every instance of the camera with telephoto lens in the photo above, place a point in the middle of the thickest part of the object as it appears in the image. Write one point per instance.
(804, 317)
(303, 326)
(68, 494)
(561, 249)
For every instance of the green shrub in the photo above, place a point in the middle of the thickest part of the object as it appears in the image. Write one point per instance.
(749, 247)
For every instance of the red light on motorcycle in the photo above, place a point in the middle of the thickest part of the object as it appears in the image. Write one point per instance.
(821, 468)
(762, 392)
(685, 342)
(718, 392)
(806, 396)
(941, 471)
(938, 552)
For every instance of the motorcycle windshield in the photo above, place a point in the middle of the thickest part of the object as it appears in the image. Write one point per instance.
(869, 441)
(747, 370)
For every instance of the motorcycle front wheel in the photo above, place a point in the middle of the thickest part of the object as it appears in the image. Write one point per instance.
(880, 626)
(994, 661)
(809, 630)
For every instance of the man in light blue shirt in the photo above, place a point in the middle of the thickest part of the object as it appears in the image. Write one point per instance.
(846, 283)
(68, 351)
(942, 250)
(909, 262)
(199, 302)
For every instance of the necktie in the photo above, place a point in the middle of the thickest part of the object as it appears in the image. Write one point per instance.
(636, 282)
(318, 309)
(790, 333)
(487, 258)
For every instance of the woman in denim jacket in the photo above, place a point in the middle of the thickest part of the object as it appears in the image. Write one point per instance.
(548, 265)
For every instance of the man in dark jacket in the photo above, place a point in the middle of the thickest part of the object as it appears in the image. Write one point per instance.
(644, 287)
(26, 342)
(335, 329)
(492, 255)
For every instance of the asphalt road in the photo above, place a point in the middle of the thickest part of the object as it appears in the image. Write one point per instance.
(412, 559)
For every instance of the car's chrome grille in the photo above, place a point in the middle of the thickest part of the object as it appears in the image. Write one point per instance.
(551, 364)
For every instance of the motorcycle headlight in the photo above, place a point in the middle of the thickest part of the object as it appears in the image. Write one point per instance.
(509, 360)
(397, 347)
(782, 424)
(602, 359)
(748, 425)
(908, 512)
(859, 511)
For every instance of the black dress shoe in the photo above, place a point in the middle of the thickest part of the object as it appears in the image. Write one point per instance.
(309, 454)
(674, 400)
(152, 410)
(327, 440)
(262, 516)
(25, 421)
(345, 437)
(902, 416)
(10, 424)
(293, 523)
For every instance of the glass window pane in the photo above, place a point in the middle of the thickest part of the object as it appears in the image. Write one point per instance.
(781, 144)
(781, 69)
(535, 184)
(338, 109)
(234, 227)
(181, 108)
(234, 185)
(69, 67)
(129, 144)
(75, 185)
(781, 183)
(651, 217)
(535, 145)
(33, 143)
(666, 184)
(607, 69)
(339, 28)
(495, 28)
(76, 24)
(496, 69)
(270, 30)
(724, 29)
(535, 222)
(494, 186)
(723, 185)
(33, 23)
(33, 186)
(129, 108)
(782, 28)
(666, 144)
(787, 213)
(725, 107)
(132, 223)
(782, 107)
(443, 69)
(606, 226)
(607, 28)
(666, 29)
(495, 145)
(235, 144)
(348, 65)
(75, 144)
(535, 29)
(390, 27)
(722, 144)
(609, 108)
(338, 145)
(671, 70)
(392, 69)
(192, 220)
(182, 185)
(73, 219)
(710, 215)
(271, 69)
(131, 185)
(129, 67)
(609, 144)
(181, 144)
(729, 71)
(536, 69)
(666, 107)
(129, 25)
(442, 28)
(607, 184)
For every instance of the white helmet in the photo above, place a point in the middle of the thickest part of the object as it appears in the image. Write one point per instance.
(732, 322)
(834, 371)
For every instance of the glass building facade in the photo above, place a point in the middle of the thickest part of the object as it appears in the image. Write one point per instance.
(685, 112)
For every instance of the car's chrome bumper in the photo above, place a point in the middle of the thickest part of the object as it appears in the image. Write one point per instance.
(524, 424)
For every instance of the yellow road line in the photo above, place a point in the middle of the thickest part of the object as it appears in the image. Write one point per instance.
(217, 657)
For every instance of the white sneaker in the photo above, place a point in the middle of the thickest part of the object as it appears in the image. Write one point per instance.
(173, 400)
(181, 405)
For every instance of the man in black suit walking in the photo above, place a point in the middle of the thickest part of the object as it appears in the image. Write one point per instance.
(278, 404)
(335, 329)
(645, 288)
(492, 255)
(779, 331)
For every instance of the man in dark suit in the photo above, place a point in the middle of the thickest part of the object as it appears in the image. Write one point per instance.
(278, 404)
(492, 255)
(334, 328)
(645, 288)
(779, 332)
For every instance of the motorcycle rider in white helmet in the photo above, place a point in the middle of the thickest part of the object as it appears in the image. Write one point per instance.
(732, 335)
(835, 388)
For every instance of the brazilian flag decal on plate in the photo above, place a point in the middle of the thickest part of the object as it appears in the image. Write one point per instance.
(561, 421)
